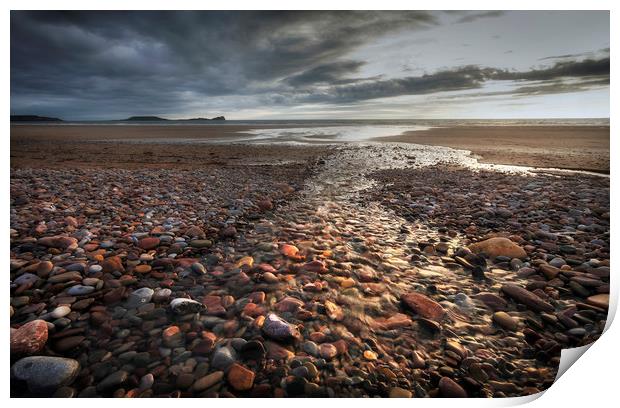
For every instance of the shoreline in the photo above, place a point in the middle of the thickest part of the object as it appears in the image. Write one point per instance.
(547, 170)
(581, 148)
(565, 147)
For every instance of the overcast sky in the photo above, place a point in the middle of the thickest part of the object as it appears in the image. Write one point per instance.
(311, 65)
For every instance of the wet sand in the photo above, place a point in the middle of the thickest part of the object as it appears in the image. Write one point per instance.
(60, 133)
(565, 147)
(90, 147)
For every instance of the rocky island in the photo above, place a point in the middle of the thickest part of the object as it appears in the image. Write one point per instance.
(33, 118)
(158, 119)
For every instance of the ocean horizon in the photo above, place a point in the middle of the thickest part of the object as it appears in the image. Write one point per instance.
(341, 122)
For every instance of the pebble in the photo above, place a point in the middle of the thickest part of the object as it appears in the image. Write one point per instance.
(142, 269)
(161, 295)
(505, 321)
(279, 329)
(185, 306)
(172, 337)
(184, 381)
(30, 338)
(80, 290)
(527, 298)
(557, 262)
(90, 281)
(68, 343)
(290, 251)
(423, 305)
(370, 355)
(113, 264)
(146, 382)
(60, 311)
(303, 299)
(148, 243)
(549, 271)
(26, 279)
(146, 257)
(328, 351)
(270, 277)
(44, 268)
(113, 380)
(311, 348)
(498, 246)
(65, 277)
(253, 350)
(397, 392)
(223, 358)
(95, 269)
(601, 301)
(240, 378)
(45, 374)
(450, 389)
(492, 301)
(198, 268)
(139, 297)
(348, 283)
(208, 381)
(334, 311)
(201, 243)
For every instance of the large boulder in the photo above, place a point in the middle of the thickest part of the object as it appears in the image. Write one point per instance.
(498, 246)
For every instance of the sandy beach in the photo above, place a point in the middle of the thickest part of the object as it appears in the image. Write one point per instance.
(566, 147)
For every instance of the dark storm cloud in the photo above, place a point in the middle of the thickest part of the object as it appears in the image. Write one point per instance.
(469, 77)
(565, 69)
(559, 87)
(560, 57)
(327, 73)
(578, 55)
(113, 64)
(116, 57)
(472, 77)
(543, 88)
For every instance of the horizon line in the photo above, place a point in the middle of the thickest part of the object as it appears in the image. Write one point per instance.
(332, 119)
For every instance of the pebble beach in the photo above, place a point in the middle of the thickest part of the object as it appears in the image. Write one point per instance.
(374, 269)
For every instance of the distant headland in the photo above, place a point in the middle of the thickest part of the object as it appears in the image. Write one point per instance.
(157, 119)
(37, 118)
(33, 118)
